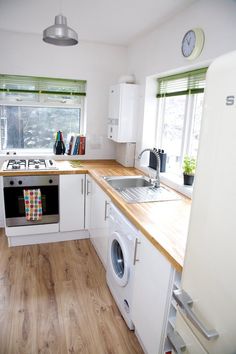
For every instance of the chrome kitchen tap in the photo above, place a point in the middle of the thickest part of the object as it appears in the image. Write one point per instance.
(157, 179)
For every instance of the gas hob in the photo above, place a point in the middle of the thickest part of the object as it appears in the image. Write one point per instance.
(31, 164)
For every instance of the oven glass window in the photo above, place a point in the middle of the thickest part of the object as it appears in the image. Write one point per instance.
(14, 201)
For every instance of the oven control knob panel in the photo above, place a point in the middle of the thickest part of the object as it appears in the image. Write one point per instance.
(30, 181)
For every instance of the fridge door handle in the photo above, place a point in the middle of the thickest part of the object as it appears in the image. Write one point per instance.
(176, 342)
(185, 303)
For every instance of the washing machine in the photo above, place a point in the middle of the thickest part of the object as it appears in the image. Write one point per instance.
(120, 261)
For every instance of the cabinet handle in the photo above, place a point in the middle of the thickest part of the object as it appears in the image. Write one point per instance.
(88, 187)
(185, 303)
(106, 216)
(82, 186)
(176, 342)
(137, 242)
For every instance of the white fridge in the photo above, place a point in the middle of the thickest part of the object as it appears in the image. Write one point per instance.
(206, 311)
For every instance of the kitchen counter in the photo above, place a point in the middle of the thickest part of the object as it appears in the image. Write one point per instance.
(165, 224)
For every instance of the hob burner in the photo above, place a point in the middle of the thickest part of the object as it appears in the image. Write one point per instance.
(31, 164)
(16, 164)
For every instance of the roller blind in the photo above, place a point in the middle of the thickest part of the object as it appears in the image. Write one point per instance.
(190, 82)
(41, 85)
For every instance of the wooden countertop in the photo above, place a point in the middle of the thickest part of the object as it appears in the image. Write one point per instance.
(165, 224)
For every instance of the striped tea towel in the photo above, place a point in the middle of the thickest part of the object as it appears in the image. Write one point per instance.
(33, 204)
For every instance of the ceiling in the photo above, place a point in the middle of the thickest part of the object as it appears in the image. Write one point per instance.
(107, 21)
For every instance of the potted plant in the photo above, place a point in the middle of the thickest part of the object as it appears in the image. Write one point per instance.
(189, 167)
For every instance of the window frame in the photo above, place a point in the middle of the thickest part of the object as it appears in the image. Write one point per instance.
(44, 150)
(188, 117)
(41, 102)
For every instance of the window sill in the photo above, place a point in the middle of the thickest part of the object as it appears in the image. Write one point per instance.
(38, 155)
(176, 182)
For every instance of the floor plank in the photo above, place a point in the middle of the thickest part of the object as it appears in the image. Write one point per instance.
(54, 300)
(23, 304)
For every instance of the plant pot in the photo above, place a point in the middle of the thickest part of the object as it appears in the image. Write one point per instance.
(188, 179)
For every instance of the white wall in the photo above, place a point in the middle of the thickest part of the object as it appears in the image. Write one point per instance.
(160, 52)
(101, 65)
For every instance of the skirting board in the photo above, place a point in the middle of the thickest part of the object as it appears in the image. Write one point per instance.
(47, 238)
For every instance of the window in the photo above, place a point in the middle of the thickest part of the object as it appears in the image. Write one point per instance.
(180, 103)
(33, 109)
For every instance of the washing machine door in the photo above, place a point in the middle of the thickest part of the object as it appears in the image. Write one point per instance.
(118, 259)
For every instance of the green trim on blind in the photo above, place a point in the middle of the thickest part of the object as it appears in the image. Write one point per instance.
(187, 83)
(42, 85)
(45, 92)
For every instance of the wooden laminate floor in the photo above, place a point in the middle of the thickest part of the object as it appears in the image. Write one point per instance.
(54, 299)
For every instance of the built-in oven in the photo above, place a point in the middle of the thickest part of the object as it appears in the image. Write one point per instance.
(14, 187)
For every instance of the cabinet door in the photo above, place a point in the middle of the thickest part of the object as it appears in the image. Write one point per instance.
(152, 284)
(128, 113)
(72, 202)
(122, 115)
(114, 102)
(98, 221)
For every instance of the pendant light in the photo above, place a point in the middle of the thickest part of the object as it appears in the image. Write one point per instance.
(60, 34)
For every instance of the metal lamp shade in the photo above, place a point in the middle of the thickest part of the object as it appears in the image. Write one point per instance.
(60, 34)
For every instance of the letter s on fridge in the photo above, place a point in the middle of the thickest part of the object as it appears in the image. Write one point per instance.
(230, 100)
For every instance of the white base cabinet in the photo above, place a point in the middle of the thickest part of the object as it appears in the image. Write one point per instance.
(151, 296)
(98, 223)
(72, 194)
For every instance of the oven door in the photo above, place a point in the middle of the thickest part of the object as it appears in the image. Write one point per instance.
(15, 206)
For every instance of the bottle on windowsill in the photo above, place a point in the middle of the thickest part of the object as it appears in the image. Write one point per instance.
(59, 146)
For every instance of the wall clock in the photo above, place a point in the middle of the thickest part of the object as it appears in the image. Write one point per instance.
(192, 43)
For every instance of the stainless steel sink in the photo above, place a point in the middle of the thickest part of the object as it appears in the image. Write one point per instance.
(139, 189)
(121, 182)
